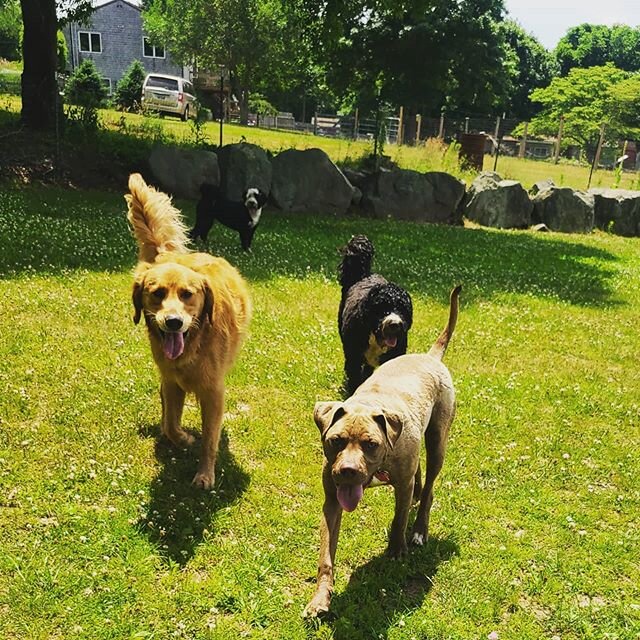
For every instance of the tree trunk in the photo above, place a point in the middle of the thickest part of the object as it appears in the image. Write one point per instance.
(244, 106)
(409, 126)
(39, 88)
(242, 94)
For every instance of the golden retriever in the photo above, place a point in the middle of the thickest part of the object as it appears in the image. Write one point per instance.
(197, 311)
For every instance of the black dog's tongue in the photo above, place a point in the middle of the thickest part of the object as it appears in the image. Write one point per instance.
(173, 345)
(349, 495)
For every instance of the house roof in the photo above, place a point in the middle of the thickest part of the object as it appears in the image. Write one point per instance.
(101, 3)
(62, 8)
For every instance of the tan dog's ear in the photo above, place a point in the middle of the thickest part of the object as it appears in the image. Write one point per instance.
(326, 414)
(391, 424)
(207, 309)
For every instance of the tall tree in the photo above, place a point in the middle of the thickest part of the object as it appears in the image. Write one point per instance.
(39, 54)
(532, 67)
(255, 40)
(425, 54)
(590, 45)
(586, 99)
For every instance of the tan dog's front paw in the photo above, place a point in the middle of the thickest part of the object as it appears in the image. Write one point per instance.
(181, 439)
(204, 480)
(319, 604)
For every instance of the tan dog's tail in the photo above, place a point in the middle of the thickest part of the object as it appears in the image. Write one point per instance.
(440, 345)
(156, 223)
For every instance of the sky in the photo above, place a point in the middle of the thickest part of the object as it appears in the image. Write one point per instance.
(549, 20)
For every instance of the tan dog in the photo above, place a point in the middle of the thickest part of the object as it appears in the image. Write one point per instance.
(197, 311)
(374, 438)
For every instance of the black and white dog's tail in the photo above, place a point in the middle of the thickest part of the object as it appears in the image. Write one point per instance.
(357, 257)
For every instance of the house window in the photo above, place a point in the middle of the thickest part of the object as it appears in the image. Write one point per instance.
(107, 83)
(151, 51)
(90, 42)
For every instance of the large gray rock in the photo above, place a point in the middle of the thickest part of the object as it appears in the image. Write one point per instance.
(617, 211)
(308, 181)
(498, 203)
(563, 209)
(409, 195)
(541, 185)
(243, 165)
(182, 171)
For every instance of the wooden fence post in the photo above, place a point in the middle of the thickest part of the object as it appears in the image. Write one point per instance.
(466, 125)
(523, 143)
(400, 126)
(418, 127)
(559, 140)
(441, 129)
(596, 156)
(356, 124)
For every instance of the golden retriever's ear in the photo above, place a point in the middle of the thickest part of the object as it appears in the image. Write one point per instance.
(207, 309)
(326, 414)
(138, 288)
(391, 425)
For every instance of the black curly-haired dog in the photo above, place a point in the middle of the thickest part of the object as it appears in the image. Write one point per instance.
(374, 317)
(243, 217)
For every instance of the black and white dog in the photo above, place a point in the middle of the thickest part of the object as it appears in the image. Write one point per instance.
(243, 216)
(374, 316)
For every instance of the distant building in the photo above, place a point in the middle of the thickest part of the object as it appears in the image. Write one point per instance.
(113, 37)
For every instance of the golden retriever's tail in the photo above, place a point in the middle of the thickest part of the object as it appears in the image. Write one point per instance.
(156, 223)
(440, 345)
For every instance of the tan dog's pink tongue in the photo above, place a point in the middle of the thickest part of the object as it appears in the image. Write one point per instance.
(173, 345)
(349, 495)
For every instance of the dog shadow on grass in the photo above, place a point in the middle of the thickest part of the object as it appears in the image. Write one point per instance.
(382, 589)
(180, 516)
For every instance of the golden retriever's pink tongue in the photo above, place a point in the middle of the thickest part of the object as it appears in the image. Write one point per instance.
(349, 495)
(173, 345)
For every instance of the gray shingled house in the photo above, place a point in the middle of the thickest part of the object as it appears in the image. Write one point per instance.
(113, 37)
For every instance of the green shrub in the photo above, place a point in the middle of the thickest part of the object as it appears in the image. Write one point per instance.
(86, 90)
(61, 51)
(129, 89)
(10, 30)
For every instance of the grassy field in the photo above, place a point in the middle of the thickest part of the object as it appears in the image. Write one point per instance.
(535, 524)
(431, 156)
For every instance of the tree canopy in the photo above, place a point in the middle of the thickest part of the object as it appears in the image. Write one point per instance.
(259, 42)
(586, 99)
(530, 67)
(590, 45)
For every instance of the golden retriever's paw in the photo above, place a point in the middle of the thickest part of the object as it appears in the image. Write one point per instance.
(204, 480)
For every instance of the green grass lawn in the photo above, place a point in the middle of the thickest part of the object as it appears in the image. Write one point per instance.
(535, 522)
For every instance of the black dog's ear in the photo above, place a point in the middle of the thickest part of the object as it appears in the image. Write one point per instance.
(262, 198)
(207, 308)
(326, 414)
(391, 425)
